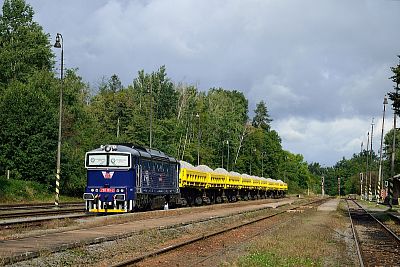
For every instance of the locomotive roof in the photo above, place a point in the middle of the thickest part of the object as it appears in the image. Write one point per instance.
(137, 151)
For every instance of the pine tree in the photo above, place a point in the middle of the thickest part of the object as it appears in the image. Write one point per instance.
(394, 96)
(261, 118)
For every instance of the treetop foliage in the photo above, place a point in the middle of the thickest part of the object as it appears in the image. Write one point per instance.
(262, 118)
(24, 47)
(395, 96)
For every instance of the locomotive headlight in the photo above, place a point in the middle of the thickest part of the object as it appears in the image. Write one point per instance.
(92, 190)
(117, 190)
(122, 190)
(97, 190)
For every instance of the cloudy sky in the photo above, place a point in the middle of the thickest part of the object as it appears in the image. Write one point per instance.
(322, 67)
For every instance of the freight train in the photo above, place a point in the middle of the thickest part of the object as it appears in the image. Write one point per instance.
(126, 178)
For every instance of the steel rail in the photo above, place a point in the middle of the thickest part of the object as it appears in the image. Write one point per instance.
(199, 238)
(37, 205)
(198, 263)
(356, 241)
(379, 222)
(364, 246)
(39, 213)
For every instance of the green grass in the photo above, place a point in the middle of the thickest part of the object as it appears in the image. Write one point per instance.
(267, 258)
(20, 191)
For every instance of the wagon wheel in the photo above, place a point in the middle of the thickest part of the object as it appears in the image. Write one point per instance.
(198, 201)
(206, 200)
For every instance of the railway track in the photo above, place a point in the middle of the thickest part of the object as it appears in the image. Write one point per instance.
(376, 244)
(15, 216)
(30, 247)
(257, 228)
(30, 206)
(35, 213)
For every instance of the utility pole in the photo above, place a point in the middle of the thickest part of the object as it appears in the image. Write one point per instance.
(361, 175)
(59, 44)
(227, 163)
(370, 173)
(391, 199)
(151, 110)
(198, 141)
(118, 127)
(322, 186)
(366, 172)
(262, 163)
(380, 180)
(394, 134)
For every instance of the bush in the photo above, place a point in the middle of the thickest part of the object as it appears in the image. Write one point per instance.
(22, 191)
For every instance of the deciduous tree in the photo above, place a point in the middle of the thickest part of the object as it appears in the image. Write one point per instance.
(24, 47)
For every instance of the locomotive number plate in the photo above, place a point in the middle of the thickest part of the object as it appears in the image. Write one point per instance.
(107, 190)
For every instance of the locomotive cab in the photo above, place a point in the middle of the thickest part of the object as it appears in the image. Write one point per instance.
(110, 180)
(124, 178)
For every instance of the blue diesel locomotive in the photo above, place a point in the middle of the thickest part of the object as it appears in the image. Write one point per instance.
(124, 178)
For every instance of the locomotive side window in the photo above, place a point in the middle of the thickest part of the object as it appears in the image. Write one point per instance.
(119, 160)
(96, 160)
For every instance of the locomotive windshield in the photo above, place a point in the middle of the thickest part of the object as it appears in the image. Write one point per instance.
(119, 160)
(99, 160)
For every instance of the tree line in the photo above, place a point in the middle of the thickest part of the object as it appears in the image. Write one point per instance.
(210, 127)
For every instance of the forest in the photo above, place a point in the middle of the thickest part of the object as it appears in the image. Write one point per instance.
(211, 127)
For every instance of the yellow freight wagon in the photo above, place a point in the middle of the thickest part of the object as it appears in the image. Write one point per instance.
(218, 178)
(190, 176)
(234, 180)
(202, 185)
(247, 181)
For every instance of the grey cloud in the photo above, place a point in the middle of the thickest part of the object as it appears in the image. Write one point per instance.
(309, 60)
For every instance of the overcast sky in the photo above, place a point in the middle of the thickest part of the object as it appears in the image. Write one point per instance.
(321, 66)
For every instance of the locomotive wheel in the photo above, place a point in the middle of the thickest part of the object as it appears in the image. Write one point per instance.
(198, 201)
(233, 199)
(245, 198)
(218, 200)
(184, 202)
